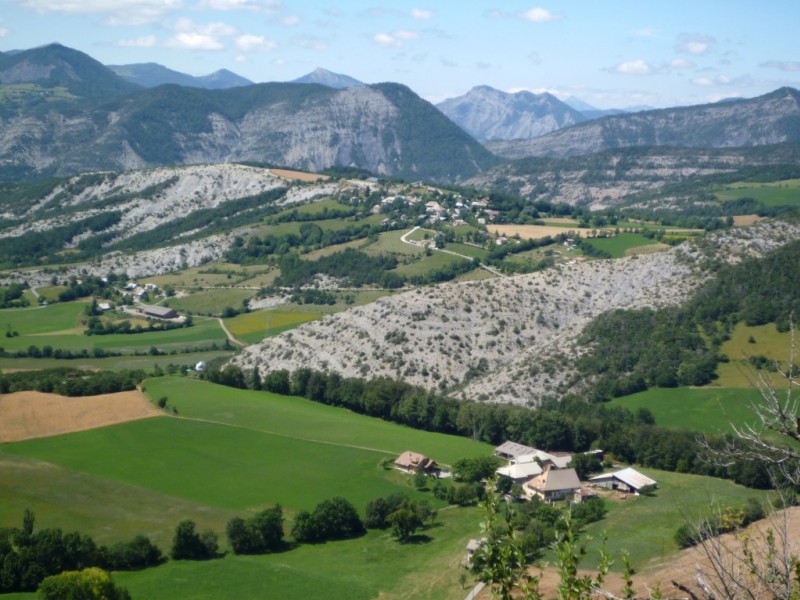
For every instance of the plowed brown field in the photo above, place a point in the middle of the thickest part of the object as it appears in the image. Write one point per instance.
(26, 415)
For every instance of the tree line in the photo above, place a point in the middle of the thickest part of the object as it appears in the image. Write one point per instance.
(72, 382)
(573, 425)
(27, 556)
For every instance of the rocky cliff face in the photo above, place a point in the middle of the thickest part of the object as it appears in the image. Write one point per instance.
(503, 340)
(489, 114)
(770, 119)
(386, 129)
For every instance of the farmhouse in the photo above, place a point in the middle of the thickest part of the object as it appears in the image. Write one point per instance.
(160, 312)
(472, 547)
(521, 472)
(552, 484)
(626, 480)
(411, 462)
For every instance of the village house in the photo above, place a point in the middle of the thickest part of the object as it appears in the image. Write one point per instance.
(412, 462)
(627, 480)
(472, 547)
(552, 484)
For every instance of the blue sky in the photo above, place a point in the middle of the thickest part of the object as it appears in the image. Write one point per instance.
(607, 53)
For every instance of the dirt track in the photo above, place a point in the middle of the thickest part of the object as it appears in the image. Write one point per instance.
(27, 415)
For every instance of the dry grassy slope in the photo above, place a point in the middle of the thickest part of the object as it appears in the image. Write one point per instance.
(523, 328)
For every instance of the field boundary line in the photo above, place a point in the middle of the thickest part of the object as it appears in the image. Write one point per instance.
(286, 435)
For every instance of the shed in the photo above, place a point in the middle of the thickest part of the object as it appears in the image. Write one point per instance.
(626, 480)
(160, 312)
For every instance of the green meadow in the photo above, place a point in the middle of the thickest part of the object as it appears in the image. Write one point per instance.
(644, 526)
(211, 301)
(618, 245)
(707, 409)
(232, 452)
(254, 326)
(780, 193)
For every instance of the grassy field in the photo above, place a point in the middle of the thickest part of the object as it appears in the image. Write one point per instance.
(706, 409)
(254, 326)
(201, 335)
(234, 452)
(47, 319)
(619, 245)
(426, 264)
(780, 193)
(373, 566)
(644, 525)
(389, 241)
(211, 301)
(766, 341)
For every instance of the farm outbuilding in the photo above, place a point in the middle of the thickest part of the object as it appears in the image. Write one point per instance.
(160, 312)
(627, 480)
(512, 450)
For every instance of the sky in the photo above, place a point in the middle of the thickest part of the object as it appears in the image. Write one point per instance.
(607, 53)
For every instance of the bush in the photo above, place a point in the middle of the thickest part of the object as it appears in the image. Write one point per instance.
(331, 520)
(90, 584)
(189, 545)
(259, 535)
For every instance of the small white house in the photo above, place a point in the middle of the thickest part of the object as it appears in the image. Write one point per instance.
(200, 366)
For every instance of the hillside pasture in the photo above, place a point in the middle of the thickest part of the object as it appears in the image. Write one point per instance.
(29, 415)
(622, 244)
(291, 415)
(254, 326)
(767, 342)
(644, 526)
(128, 361)
(779, 193)
(201, 335)
(211, 301)
(708, 409)
(36, 320)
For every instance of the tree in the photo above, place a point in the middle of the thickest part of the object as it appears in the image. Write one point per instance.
(89, 584)
(584, 464)
(187, 544)
(331, 519)
(405, 520)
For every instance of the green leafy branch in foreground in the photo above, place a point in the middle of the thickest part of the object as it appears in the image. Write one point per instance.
(502, 562)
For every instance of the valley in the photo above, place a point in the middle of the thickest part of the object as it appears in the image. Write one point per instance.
(236, 303)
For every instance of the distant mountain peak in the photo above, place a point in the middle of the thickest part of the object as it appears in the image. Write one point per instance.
(487, 113)
(153, 74)
(329, 78)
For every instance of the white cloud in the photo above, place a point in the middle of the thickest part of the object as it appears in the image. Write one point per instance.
(695, 44)
(147, 41)
(4, 32)
(681, 63)
(789, 66)
(537, 14)
(394, 39)
(310, 42)
(710, 81)
(210, 29)
(115, 12)
(196, 36)
(647, 32)
(290, 20)
(535, 58)
(422, 14)
(266, 6)
(633, 67)
(248, 43)
(194, 41)
(240, 58)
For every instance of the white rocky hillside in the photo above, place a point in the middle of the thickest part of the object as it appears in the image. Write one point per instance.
(150, 198)
(503, 340)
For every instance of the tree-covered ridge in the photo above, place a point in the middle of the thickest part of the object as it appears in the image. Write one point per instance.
(632, 350)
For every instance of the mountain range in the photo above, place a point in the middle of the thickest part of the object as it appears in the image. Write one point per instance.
(62, 112)
(152, 75)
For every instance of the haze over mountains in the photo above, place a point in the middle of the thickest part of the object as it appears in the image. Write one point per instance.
(63, 112)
